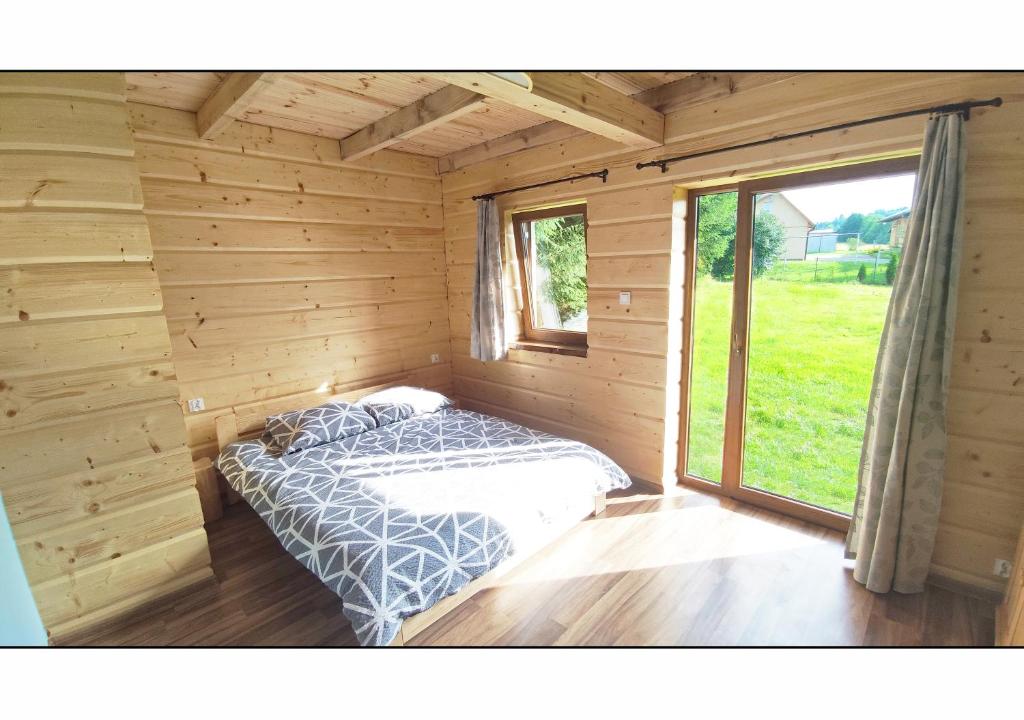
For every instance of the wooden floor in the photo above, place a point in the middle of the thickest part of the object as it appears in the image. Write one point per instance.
(691, 569)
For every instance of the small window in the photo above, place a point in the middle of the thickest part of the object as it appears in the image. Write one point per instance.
(551, 246)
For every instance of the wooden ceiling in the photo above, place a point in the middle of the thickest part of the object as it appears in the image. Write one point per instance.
(341, 104)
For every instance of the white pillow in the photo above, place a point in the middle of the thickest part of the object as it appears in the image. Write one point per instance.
(421, 401)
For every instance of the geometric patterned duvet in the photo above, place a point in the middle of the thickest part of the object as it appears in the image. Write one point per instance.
(395, 519)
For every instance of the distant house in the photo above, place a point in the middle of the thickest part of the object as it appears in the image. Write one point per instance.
(821, 241)
(795, 222)
(898, 223)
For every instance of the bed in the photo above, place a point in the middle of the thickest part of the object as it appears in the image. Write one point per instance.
(406, 520)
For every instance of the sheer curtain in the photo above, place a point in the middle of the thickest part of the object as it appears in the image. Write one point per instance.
(487, 327)
(899, 492)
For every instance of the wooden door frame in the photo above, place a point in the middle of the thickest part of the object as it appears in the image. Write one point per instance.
(739, 351)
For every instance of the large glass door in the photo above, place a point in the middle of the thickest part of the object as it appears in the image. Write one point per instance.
(788, 285)
(709, 316)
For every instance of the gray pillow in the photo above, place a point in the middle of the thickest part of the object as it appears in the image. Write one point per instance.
(385, 413)
(304, 429)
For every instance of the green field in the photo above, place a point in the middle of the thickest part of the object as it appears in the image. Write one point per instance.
(828, 270)
(812, 356)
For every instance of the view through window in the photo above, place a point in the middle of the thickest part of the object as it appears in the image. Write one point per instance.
(552, 249)
(712, 325)
(823, 262)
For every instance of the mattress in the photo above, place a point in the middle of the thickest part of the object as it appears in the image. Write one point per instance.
(397, 518)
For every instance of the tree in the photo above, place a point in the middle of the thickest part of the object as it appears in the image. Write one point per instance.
(871, 228)
(873, 231)
(769, 240)
(716, 237)
(716, 228)
(891, 267)
(561, 249)
(852, 224)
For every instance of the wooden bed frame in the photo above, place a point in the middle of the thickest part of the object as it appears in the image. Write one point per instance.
(249, 420)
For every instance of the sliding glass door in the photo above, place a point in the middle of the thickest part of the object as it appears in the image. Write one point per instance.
(788, 284)
(709, 316)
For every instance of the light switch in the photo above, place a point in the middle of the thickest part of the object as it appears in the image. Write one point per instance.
(435, 358)
(625, 298)
(196, 405)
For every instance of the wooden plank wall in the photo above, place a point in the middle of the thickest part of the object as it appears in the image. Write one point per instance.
(614, 399)
(983, 496)
(94, 468)
(623, 397)
(284, 269)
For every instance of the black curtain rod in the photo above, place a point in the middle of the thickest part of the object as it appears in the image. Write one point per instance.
(963, 108)
(603, 174)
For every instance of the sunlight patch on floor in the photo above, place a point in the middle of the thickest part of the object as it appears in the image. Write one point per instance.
(686, 535)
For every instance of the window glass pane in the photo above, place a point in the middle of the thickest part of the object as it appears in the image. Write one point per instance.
(558, 273)
(712, 325)
(824, 259)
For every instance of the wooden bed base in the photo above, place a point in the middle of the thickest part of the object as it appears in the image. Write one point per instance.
(249, 420)
(415, 624)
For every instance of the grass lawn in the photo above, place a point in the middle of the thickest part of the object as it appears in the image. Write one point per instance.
(812, 355)
(833, 268)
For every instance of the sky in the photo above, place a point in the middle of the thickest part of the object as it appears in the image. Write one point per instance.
(825, 202)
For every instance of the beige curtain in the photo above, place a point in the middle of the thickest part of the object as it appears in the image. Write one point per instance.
(896, 512)
(487, 330)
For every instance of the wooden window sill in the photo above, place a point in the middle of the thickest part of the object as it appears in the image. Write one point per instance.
(549, 347)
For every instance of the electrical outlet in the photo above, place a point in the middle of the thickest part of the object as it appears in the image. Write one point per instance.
(625, 298)
(435, 358)
(196, 405)
(1002, 568)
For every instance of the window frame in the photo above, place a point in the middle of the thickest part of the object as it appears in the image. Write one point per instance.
(739, 346)
(531, 332)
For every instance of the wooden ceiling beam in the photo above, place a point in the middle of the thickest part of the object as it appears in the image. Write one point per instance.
(669, 98)
(232, 97)
(707, 87)
(574, 99)
(619, 81)
(531, 137)
(425, 114)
